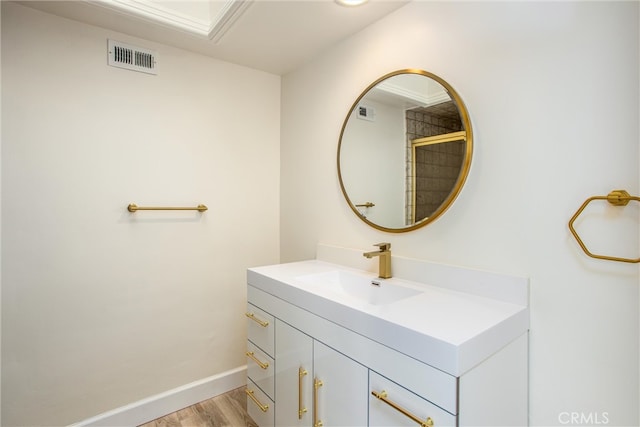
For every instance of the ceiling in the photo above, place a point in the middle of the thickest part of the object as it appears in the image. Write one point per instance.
(268, 35)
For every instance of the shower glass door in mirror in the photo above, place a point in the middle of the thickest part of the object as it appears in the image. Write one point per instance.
(404, 151)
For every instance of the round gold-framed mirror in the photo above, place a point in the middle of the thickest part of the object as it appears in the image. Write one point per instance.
(404, 151)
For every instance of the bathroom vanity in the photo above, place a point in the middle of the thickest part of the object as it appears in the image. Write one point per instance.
(333, 345)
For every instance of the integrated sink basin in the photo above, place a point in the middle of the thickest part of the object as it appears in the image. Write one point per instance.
(448, 317)
(361, 287)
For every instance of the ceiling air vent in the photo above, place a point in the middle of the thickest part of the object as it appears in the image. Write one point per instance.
(134, 58)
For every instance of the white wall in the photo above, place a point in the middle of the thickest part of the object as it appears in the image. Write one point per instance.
(553, 93)
(370, 178)
(0, 213)
(102, 307)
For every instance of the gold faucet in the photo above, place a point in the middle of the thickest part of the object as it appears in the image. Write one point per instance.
(384, 269)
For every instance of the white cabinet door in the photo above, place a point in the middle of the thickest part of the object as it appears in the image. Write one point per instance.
(294, 376)
(341, 393)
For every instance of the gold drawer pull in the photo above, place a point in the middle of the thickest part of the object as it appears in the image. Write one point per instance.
(316, 385)
(253, 317)
(301, 374)
(263, 365)
(263, 408)
(383, 396)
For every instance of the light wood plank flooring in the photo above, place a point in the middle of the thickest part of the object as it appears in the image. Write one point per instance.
(226, 410)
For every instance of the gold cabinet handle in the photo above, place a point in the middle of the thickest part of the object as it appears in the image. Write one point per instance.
(316, 385)
(383, 396)
(251, 355)
(263, 408)
(301, 374)
(253, 317)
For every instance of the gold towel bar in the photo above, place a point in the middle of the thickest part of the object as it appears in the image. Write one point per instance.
(133, 208)
(365, 205)
(616, 198)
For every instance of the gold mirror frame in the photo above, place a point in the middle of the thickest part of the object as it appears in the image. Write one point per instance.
(467, 136)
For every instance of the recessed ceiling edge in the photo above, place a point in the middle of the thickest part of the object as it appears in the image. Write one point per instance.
(229, 14)
(213, 29)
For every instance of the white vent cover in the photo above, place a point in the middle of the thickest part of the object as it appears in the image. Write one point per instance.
(366, 113)
(134, 58)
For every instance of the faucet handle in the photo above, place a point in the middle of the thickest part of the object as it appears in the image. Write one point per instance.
(383, 246)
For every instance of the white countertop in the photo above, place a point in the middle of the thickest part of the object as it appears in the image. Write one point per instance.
(448, 329)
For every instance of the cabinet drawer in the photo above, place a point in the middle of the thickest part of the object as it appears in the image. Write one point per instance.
(426, 381)
(260, 368)
(260, 327)
(399, 405)
(260, 408)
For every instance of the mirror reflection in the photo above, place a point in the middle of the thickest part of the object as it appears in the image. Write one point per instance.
(404, 150)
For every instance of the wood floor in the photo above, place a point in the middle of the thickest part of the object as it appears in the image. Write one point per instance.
(226, 410)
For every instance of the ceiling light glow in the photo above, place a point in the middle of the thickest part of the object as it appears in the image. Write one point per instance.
(350, 3)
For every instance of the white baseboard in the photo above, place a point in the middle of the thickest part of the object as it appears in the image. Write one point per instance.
(153, 407)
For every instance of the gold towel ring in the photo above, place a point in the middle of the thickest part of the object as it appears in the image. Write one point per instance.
(616, 198)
